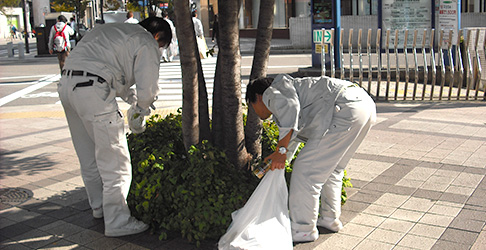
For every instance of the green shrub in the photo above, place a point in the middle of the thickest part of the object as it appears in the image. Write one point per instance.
(189, 192)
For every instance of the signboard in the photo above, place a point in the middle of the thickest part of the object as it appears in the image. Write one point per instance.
(448, 16)
(406, 14)
(319, 48)
(318, 36)
(322, 12)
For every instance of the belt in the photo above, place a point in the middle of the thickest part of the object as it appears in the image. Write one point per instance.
(82, 73)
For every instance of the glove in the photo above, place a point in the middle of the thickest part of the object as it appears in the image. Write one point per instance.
(130, 97)
(136, 118)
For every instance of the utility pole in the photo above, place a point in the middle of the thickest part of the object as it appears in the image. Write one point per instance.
(26, 32)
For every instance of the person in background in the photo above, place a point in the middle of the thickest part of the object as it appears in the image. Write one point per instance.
(215, 30)
(170, 52)
(72, 23)
(130, 18)
(59, 40)
(105, 64)
(199, 31)
(332, 117)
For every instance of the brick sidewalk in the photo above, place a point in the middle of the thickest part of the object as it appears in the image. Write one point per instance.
(418, 184)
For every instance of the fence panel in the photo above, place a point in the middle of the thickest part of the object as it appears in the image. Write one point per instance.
(453, 72)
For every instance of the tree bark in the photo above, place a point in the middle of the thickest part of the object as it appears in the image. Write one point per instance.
(189, 68)
(230, 80)
(253, 128)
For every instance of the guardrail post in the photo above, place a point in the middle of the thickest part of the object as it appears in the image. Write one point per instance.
(397, 69)
(378, 55)
(451, 65)
(414, 48)
(426, 70)
(350, 44)
(432, 64)
(459, 65)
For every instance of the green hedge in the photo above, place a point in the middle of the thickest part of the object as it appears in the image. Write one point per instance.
(188, 192)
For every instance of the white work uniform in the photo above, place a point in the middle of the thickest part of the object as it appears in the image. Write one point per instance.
(111, 57)
(332, 116)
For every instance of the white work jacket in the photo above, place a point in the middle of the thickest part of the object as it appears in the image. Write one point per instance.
(304, 105)
(122, 54)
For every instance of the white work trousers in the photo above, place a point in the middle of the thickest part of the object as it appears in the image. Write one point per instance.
(319, 167)
(97, 131)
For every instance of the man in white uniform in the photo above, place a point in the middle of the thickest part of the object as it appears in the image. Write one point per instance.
(105, 64)
(332, 117)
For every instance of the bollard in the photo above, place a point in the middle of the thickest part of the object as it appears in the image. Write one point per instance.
(21, 49)
(10, 49)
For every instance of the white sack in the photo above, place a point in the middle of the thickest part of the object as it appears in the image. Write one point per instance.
(263, 223)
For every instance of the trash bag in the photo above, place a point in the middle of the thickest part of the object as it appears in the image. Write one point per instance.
(263, 223)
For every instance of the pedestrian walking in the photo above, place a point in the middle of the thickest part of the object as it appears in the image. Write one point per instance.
(130, 18)
(168, 53)
(59, 40)
(105, 64)
(332, 117)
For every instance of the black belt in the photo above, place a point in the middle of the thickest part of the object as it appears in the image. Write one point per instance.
(82, 73)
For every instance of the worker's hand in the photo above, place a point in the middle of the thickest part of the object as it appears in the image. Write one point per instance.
(278, 160)
(130, 97)
(136, 118)
(51, 51)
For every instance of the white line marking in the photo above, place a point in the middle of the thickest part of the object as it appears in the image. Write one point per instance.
(37, 85)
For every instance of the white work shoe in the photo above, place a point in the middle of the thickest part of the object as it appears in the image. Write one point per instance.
(134, 226)
(305, 236)
(98, 213)
(332, 224)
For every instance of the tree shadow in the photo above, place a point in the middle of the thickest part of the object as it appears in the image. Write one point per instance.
(13, 163)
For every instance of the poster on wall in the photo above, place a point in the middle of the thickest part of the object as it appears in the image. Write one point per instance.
(447, 19)
(406, 14)
(322, 12)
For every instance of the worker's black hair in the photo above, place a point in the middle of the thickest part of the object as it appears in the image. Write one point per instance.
(257, 86)
(155, 25)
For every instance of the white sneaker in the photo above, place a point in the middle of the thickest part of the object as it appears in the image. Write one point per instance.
(305, 236)
(134, 226)
(98, 213)
(332, 224)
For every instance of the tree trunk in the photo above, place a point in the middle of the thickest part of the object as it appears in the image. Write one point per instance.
(253, 128)
(230, 80)
(189, 68)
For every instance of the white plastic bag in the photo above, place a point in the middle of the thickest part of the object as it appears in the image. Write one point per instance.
(263, 223)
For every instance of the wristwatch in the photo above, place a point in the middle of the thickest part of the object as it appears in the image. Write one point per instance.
(282, 150)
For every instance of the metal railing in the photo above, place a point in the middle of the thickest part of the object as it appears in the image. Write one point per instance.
(452, 73)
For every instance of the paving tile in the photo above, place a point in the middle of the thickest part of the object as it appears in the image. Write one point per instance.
(62, 213)
(18, 214)
(443, 244)
(376, 186)
(45, 207)
(455, 198)
(378, 210)
(473, 214)
(467, 224)
(407, 215)
(387, 179)
(61, 229)
(340, 241)
(429, 231)
(105, 243)
(468, 180)
(418, 242)
(366, 196)
(445, 210)
(83, 219)
(420, 173)
(35, 239)
(84, 237)
(397, 225)
(4, 222)
(15, 230)
(426, 164)
(13, 246)
(372, 244)
(459, 190)
(427, 194)
(392, 200)
(480, 202)
(410, 183)
(459, 236)
(368, 220)
(386, 236)
(39, 221)
(131, 246)
(360, 231)
(418, 204)
(63, 244)
(402, 190)
(436, 220)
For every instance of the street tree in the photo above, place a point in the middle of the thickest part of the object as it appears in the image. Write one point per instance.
(6, 7)
(253, 129)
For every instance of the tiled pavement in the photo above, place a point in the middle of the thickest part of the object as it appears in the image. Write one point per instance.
(418, 184)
